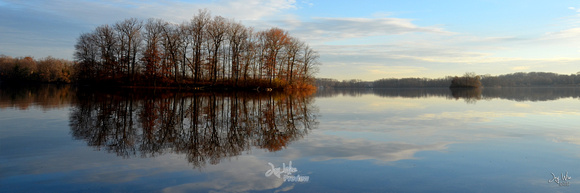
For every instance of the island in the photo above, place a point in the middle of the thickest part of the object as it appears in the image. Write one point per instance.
(469, 80)
(204, 53)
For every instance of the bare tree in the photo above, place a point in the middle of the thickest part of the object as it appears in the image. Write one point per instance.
(274, 39)
(216, 31)
(130, 41)
(152, 54)
(197, 30)
(171, 42)
(237, 36)
(86, 52)
(107, 43)
(212, 49)
(250, 53)
(292, 56)
(186, 40)
(309, 63)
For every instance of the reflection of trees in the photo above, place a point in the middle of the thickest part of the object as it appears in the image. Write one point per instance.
(46, 96)
(386, 92)
(205, 127)
(531, 93)
(412, 93)
(469, 95)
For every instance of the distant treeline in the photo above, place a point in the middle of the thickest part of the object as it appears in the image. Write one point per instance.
(531, 79)
(204, 51)
(519, 79)
(27, 69)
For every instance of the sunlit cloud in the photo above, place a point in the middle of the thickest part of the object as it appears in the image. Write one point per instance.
(319, 30)
(520, 68)
(393, 71)
(568, 34)
(522, 105)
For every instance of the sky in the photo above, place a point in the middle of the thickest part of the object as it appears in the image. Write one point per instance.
(366, 40)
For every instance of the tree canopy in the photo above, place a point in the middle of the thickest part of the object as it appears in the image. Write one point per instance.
(203, 51)
(27, 69)
(468, 80)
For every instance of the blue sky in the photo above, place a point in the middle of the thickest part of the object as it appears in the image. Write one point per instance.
(365, 40)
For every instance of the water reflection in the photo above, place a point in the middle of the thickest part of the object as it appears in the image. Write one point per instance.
(44, 96)
(531, 93)
(413, 135)
(469, 95)
(206, 127)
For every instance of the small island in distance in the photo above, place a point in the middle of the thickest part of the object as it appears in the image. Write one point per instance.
(469, 80)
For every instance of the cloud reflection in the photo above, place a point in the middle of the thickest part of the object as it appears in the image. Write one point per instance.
(243, 175)
(321, 147)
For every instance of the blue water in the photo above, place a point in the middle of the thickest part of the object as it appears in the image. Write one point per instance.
(347, 141)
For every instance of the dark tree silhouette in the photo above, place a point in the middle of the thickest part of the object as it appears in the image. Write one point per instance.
(205, 52)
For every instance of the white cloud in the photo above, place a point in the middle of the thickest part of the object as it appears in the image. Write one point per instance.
(176, 11)
(437, 55)
(54, 24)
(382, 14)
(567, 35)
(390, 71)
(520, 68)
(332, 29)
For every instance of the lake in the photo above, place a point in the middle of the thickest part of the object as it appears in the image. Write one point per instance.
(64, 139)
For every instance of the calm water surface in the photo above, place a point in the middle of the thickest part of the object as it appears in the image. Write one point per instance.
(61, 139)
